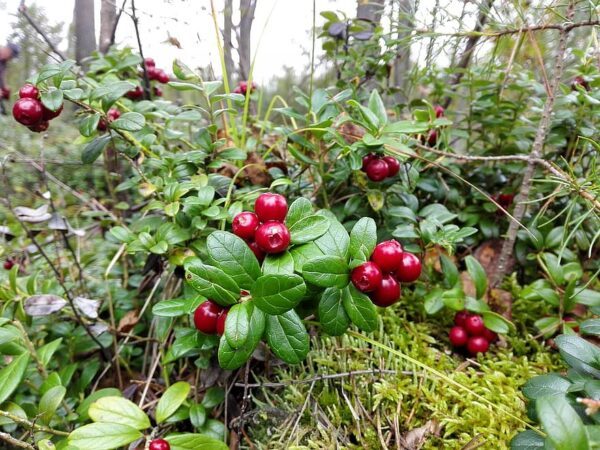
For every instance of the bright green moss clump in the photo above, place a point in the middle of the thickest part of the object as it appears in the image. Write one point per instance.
(373, 411)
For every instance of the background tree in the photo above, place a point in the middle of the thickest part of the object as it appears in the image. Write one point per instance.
(108, 19)
(85, 29)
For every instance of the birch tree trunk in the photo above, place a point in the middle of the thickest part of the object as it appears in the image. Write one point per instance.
(85, 31)
(247, 8)
(108, 17)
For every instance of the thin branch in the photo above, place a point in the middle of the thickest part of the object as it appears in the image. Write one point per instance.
(502, 268)
(14, 441)
(114, 30)
(134, 18)
(36, 27)
(31, 425)
(326, 377)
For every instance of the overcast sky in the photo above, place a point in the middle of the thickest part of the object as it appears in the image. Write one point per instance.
(284, 25)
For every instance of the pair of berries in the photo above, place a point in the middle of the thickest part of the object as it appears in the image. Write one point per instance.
(432, 137)
(469, 331)
(8, 264)
(242, 88)
(263, 229)
(378, 168)
(381, 276)
(155, 74)
(159, 444)
(31, 112)
(210, 317)
(112, 114)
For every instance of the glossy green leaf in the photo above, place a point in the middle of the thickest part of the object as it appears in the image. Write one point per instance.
(299, 209)
(363, 239)
(327, 271)
(171, 400)
(84, 406)
(308, 229)
(544, 385)
(360, 308)
(287, 337)
(335, 241)
(89, 125)
(496, 322)
(280, 263)
(332, 315)
(561, 423)
(50, 402)
(11, 375)
(94, 149)
(278, 293)
(478, 275)
(192, 441)
(234, 257)
(103, 436)
(230, 358)
(303, 253)
(117, 409)
(212, 282)
(130, 121)
(237, 324)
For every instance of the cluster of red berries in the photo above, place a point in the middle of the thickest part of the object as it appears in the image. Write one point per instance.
(470, 332)
(210, 317)
(580, 81)
(31, 112)
(379, 168)
(111, 115)
(381, 276)
(154, 74)
(242, 88)
(264, 230)
(4, 93)
(159, 444)
(8, 264)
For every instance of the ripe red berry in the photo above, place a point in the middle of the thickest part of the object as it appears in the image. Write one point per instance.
(377, 170)
(409, 269)
(149, 62)
(260, 255)
(439, 111)
(48, 114)
(460, 317)
(221, 322)
(489, 336)
(432, 138)
(40, 127)
(162, 76)
(366, 160)
(27, 111)
(474, 325)
(393, 165)
(458, 336)
(271, 207)
(245, 224)
(206, 315)
(580, 81)
(477, 344)
(366, 277)
(387, 255)
(135, 94)
(29, 91)
(272, 237)
(159, 444)
(157, 91)
(112, 114)
(152, 73)
(8, 264)
(387, 293)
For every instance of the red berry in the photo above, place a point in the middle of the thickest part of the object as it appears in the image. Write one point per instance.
(474, 325)
(271, 207)
(8, 264)
(505, 200)
(48, 114)
(432, 138)
(393, 165)
(387, 293)
(135, 94)
(439, 111)
(237, 90)
(489, 336)
(580, 81)
(409, 269)
(28, 111)
(272, 237)
(152, 73)
(40, 127)
(458, 336)
(113, 114)
(260, 255)
(149, 62)
(162, 76)
(477, 344)
(377, 170)
(460, 317)
(367, 277)
(245, 224)
(366, 160)
(387, 255)
(206, 315)
(221, 322)
(159, 444)
(157, 91)
(29, 91)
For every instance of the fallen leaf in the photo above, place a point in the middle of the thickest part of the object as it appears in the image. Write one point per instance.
(43, 305)
(415, 438)
(87, 306)
(30, 215)
(128, 321)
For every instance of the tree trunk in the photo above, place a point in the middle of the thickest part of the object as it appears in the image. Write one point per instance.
(247, 8)
(227, 39)
(370, 10)
(108, 17)
(85, 31)
(401, 67)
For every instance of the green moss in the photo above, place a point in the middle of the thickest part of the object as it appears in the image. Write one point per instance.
(372, 411)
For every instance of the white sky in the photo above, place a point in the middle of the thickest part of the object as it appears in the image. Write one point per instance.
(284, 24)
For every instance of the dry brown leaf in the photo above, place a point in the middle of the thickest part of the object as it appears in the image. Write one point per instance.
(351, 132)
(128, 321)
(415, 438)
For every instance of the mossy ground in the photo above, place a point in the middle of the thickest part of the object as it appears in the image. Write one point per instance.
(374, 411)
